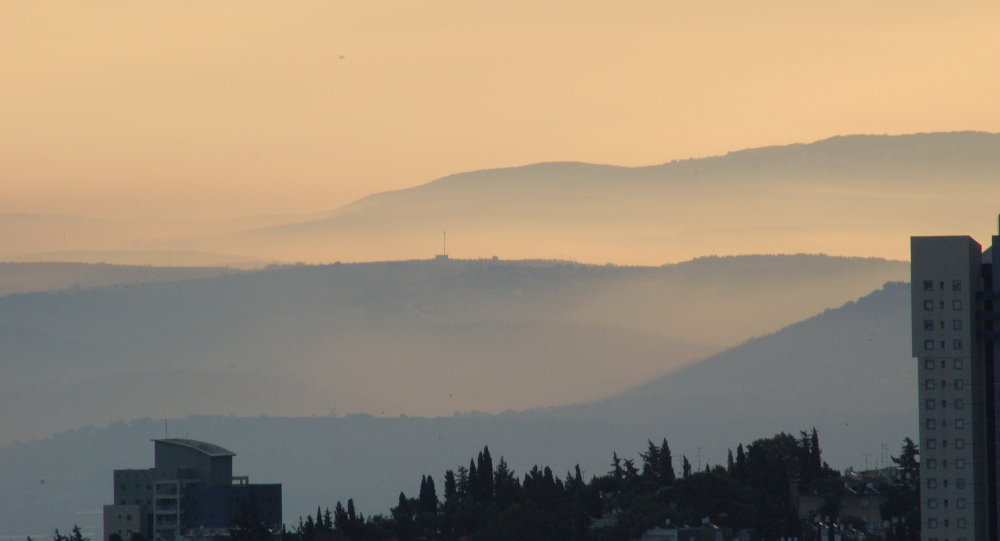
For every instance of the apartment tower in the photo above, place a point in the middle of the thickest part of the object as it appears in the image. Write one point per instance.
(953, 287)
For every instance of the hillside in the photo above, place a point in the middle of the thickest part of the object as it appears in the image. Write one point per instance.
(38, 276)
(853, 360)
(414, 338)
(855, 195)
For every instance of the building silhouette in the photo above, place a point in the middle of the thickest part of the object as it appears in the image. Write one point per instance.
(955, 301)
(189, 492)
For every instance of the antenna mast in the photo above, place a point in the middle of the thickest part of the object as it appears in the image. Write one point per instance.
(444, 242)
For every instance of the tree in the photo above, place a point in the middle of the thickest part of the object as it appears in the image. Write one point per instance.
(484, 466)
(355, 520)
(402, 516)
(249, 527)
(666, 464)
(616, 467)
(686, 466)
(340, 522)
(902, 500)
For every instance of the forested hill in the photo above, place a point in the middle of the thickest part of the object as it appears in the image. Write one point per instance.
(847, 372)
(414, 338)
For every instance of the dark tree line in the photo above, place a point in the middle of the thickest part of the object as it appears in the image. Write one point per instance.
(486, 501)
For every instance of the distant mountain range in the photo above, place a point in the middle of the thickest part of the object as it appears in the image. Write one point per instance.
(415, 338)
(846, 371)
(859, 195)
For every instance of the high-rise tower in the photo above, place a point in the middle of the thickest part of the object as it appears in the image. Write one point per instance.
(953, 288)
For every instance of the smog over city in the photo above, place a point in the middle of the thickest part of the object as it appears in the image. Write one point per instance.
(356, 244)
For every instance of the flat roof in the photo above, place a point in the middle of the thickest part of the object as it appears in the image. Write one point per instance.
(209, 449)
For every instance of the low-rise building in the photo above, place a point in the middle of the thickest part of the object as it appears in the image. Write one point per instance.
(189, 491)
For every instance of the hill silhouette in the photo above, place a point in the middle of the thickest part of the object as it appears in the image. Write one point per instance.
(845, 371)
(853, 195)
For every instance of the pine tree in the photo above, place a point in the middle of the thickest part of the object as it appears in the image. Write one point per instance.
(340, 521)
(450, 489)
(462, 482)
(616, 467)
(327, 521)
(651, 462)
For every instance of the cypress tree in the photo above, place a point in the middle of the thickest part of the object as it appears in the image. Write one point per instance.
(486, 474)
(741, 463)
(686, 466)
(474, 488)
(730, 465)
(666, 464)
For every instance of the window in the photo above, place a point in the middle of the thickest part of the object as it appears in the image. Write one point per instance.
(960, 503)
(932, 523)
(944, 384)
(932, 483)
(930, 424)
(956, 344)
(960, 523)
(959, 423)
(929, 403)
(958, 364)
(944, 483)
(944, 423)
(931, 463)
(943, 344)
(929, 306)
(956, 324)
(929, 345)
(960, 483)
(960, 463)
(959, 404)
(959, 443)
(959, 384)
(944, 404)
(956, 285)
(931, 443)
(929, 384)
(928, 285)
(944, 444)
(929, 364)
(928, 324)
(955, 305)
(932, 503)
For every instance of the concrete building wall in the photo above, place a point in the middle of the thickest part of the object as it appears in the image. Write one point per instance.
(124, 520)
(946, 286)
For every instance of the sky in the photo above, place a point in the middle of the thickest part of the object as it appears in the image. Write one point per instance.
(226, 108)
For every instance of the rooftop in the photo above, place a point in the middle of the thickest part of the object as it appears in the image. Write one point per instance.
(206, 448)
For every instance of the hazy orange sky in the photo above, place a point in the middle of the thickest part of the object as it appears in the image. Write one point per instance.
(208, 108)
